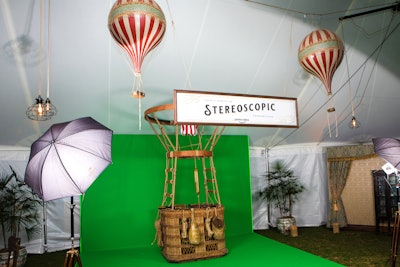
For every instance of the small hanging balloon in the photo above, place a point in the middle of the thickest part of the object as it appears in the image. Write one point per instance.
(320, 53)
(137, 26)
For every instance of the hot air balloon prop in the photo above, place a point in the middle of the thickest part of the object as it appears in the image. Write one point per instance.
(320, 53)
(137, 26)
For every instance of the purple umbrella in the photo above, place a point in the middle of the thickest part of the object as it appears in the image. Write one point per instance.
(388, 149)
(68, 157)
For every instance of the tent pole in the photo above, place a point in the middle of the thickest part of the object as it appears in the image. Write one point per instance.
(395, 7)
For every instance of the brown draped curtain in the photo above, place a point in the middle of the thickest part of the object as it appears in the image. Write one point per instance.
(339, 163)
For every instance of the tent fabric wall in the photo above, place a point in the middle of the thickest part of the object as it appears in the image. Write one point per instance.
(55, 216)
(309, 164)
(258, 168)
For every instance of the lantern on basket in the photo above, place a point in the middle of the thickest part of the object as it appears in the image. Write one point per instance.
(320, 53)
(137, 26)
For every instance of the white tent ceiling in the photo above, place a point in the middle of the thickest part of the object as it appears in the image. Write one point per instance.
(232, 46)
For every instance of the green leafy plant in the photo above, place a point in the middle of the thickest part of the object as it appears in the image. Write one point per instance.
(282, 188)
(18, 207)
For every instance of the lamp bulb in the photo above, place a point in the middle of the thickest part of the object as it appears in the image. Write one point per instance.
(354, 123)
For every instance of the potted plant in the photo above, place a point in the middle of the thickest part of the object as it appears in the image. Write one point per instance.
(282, 191)
(18, 213)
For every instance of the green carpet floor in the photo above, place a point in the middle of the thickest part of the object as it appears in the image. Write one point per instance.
(246, 250)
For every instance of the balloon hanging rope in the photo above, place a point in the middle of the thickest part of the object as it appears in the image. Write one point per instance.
(137, 93)
(331, 110)
(139, 113)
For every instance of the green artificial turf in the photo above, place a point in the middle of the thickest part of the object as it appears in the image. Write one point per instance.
(349, 247)
(244, 250)
(251, 249)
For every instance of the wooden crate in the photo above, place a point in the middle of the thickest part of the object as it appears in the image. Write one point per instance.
(176, 247)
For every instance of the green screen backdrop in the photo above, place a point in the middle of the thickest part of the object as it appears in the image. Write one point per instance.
(119, 209)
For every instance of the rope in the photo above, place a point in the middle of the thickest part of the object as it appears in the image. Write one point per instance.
(137, 86)
(158, 234)
(40, 49)
(48, 51)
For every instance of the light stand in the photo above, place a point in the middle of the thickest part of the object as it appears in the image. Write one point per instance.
(395, 240)
(72, 254)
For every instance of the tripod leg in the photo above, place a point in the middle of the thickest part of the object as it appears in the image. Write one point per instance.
(68, 259)
(72, 257)
(78, 258)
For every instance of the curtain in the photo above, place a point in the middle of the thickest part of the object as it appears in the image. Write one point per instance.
(337, 176)
(339, 163)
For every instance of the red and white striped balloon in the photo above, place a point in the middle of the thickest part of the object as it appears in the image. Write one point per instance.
(320, 53)
(188, 129)
(137, 26)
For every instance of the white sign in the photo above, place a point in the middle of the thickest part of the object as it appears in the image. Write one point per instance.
(195, 107)
(389, 168)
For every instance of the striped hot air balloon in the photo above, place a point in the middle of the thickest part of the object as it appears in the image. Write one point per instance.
(320, 53)
(189, 129)
(137, 26)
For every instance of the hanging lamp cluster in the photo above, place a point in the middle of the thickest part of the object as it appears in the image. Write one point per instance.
(43, 110)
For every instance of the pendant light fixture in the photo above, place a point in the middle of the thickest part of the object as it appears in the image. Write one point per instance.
(43, 110)
(354, 123)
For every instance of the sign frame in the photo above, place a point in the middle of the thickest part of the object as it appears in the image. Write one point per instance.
(216, 108)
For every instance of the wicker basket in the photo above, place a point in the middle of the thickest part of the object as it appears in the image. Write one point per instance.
(176, 246)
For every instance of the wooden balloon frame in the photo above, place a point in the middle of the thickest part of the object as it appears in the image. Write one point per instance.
(175, 152)
(171, 230)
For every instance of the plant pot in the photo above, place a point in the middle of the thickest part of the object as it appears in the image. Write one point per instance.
(284, 224)
(22, 256)
(293, 231)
